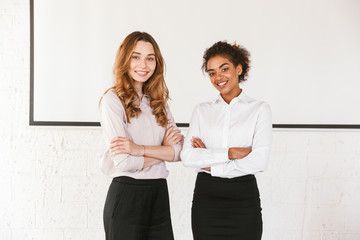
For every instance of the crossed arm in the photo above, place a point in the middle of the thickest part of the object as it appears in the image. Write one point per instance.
(152, 154)
(233, 152)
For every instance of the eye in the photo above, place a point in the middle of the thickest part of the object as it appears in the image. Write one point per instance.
(211, 74)
(224, 69)
(150, 59)
(135, 57)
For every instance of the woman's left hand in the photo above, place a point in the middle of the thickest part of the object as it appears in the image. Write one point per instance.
(197, 143)
(121, 145)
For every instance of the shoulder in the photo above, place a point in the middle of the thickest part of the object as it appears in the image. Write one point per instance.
(110, 100)
(110, 97)
(204, 105)
(259, 104)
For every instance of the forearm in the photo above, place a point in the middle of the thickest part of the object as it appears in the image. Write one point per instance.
(148, 162)
(201, 158)
(234, 153)
(238, 153)
(163, 153)
(254, 162)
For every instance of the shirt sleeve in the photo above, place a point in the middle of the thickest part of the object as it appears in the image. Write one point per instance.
(113, 123)
(177, 147)
(258, 158)
(199, 157)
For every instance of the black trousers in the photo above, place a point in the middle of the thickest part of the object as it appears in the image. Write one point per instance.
(226, 208)
(137, 209)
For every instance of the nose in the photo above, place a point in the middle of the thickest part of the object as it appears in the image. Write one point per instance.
(218, 76)
(142, 63)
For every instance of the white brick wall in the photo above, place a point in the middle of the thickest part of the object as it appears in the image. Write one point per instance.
(51, 187)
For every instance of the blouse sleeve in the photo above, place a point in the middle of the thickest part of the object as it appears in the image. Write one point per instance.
(258, 158)
(113, 123)
(177, 147)
(200, 157)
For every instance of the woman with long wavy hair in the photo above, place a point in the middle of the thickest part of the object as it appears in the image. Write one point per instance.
(141, 136)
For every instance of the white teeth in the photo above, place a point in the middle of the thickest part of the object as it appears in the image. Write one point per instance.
(220, 84)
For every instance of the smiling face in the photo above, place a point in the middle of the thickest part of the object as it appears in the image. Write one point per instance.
(224, 76)
(142, 63)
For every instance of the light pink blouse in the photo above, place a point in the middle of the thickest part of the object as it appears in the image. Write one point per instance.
(143, 130)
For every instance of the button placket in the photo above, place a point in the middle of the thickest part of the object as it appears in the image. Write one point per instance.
(147, 120)
(226, 128)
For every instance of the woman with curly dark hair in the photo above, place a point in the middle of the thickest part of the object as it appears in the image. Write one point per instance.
(140, 135)
(228, 141)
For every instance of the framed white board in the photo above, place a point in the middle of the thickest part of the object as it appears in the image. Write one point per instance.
(305, 55)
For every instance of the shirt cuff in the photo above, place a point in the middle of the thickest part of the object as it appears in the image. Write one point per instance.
(129, 164)
(220, 155)
(217, 170)
(177, 150)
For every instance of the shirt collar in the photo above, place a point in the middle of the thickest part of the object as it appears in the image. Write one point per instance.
(241, 98)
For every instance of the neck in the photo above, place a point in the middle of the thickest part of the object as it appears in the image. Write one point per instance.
(138, 88)
(228, 97)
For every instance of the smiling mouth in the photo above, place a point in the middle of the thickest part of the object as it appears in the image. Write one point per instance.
(222, 83)
(142, 73)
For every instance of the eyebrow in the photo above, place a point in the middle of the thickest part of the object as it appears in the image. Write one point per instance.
(219, 67)
(151, 54)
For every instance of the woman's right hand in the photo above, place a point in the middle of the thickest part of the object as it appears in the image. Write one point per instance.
(238, 153)
(172, 136)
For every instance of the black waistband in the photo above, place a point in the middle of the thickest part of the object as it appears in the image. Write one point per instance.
(130, 180)
(206, 176)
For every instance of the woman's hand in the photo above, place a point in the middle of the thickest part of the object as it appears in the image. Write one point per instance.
(121, 145)
(197, 143)
(172, 136)
(238, 153)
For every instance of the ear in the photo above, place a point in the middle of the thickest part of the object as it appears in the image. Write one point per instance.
(238, 69)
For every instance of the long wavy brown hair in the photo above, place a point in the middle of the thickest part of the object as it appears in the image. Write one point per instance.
(155, 87)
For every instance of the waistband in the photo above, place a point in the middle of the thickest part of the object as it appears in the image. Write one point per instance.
(130, 180)
(207, 177)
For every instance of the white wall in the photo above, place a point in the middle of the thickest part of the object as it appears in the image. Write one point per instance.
(51, 187)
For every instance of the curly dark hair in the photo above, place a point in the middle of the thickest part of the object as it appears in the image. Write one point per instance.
(235, 53)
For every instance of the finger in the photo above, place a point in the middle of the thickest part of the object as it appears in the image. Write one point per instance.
(168, 131)
(197, 141)
(117, 143)
(180, 137)
(195, 145)
(174, 135)
(114, 139)
(118, 139)
(116, 149)
(200, 142)
(113, 146)
(177, 139)
(176, 131)
(200, 145)
(119, 152)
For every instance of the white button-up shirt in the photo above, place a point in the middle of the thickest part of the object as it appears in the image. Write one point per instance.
(245, 123)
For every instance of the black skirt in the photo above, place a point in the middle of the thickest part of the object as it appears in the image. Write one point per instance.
(137, 209)
(226, 208)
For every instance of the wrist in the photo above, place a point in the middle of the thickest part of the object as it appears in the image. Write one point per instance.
(139, 150)
(144, 151)
(230, 153)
